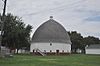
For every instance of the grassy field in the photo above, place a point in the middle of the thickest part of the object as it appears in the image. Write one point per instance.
(71, 60)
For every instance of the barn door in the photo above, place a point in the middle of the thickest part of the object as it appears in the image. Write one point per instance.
(57, 51)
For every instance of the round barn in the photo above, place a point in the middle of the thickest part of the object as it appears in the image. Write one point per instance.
(50, 38)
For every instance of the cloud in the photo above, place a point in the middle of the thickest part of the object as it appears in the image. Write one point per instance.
(72, 14)
(90, 15)
(93, 18)
(91, 34)
(1, 6)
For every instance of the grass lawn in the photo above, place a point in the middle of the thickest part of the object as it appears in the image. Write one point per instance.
(71, 60)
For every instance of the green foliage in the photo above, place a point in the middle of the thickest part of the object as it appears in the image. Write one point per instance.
(76, 40)
(91, 40)
(80, 42)
(16, 33)
(71, 60)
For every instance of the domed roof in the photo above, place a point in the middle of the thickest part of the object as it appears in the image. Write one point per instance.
(51, 31)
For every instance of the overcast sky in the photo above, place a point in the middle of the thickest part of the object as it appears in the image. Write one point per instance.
(82, 16)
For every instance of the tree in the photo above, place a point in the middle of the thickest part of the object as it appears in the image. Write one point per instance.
(80, 42)
(76, 40)
(91, 40)
(16, 33)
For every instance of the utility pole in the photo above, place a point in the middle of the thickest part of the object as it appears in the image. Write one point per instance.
(4, 10)
(2, 21)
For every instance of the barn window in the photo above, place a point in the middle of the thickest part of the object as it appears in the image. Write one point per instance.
(62, 50)
(50, 50)
(50, 44)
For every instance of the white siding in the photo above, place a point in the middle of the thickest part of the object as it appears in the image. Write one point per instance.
(92, 51)
(53, 47)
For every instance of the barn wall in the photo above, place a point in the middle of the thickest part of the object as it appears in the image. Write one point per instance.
(53, 47)
(92, 51)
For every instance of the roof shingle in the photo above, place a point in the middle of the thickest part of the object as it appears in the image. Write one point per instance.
(51, 31)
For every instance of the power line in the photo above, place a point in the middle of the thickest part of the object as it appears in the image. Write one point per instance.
(65, 6)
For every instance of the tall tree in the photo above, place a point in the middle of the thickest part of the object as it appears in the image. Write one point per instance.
(16, 33)
(80, 42)
(76, 40)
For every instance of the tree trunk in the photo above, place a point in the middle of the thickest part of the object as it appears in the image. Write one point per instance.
(83, 51)
(17, 51)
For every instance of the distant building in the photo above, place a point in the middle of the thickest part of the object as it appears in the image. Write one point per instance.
(5, 52)
(51, 37)
(93, 49)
